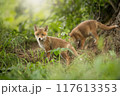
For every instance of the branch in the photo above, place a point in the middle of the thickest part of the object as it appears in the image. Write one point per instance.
(113, 5)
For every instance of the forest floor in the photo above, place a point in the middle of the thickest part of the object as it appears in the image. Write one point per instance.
(33, 53)
(29, 53)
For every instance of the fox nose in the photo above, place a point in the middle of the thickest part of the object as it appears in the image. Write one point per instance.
(39, 38)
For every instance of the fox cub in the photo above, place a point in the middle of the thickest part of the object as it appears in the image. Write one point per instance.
(85, 29)
(49, 43)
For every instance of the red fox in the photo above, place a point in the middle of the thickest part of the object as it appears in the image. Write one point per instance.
(49, 43)
(85, 29)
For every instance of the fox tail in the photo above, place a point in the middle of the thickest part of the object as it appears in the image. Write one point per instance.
(105, 27)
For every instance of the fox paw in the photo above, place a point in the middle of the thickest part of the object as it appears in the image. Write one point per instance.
(116, 26)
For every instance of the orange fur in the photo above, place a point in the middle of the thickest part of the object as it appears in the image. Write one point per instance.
(49, 43)
(87, 28)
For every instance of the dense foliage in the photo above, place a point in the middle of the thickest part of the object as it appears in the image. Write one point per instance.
(20, 59)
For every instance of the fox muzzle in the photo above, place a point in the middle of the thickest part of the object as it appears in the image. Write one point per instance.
(40, 38)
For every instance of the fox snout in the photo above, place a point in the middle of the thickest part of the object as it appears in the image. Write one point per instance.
(40, 38)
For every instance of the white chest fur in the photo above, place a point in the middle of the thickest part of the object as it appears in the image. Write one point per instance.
(40, 43)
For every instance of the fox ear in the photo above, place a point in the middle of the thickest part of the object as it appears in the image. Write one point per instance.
(46, 28)
(35, 28)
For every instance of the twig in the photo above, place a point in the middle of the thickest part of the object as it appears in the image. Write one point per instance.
(113, 5)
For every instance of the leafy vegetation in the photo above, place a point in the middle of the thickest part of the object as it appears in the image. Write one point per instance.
(20, 55)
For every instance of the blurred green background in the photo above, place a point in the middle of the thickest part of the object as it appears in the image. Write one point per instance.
(20, 55)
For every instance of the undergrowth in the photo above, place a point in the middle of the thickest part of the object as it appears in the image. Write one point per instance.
(104, 66)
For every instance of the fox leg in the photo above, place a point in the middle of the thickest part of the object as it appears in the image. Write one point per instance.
(82, 43)
(66, 57)
(81, 40)
(95, 36)
(48, 55)
(74, 51)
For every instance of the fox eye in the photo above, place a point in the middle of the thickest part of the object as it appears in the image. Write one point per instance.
(37, 34)
(42, 34)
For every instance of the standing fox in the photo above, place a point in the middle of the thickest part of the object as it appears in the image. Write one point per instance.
(49, 43)
(87, 28)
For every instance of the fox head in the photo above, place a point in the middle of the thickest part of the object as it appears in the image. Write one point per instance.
(40, 33)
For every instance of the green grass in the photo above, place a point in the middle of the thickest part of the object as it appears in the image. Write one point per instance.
(104, 66)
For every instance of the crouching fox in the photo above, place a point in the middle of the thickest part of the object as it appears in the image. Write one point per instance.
(87, 28)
